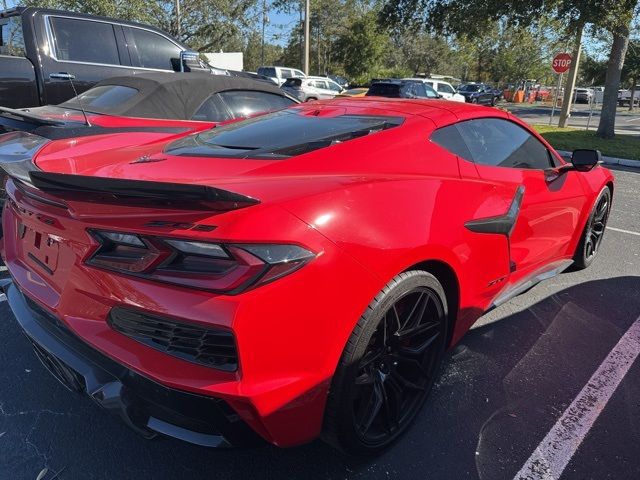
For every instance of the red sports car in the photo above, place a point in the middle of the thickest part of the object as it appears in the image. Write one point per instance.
(293, 275)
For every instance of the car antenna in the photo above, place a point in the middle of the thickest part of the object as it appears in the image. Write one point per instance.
(70, 77)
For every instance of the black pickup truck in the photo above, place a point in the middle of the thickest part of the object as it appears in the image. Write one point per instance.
(41, 50)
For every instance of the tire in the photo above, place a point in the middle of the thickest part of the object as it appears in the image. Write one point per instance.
(593, 232)
(474, 100)
(493, 101)
(310, 99)
(397, 368)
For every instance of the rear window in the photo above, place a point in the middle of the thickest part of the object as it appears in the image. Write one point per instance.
(11, 39)
(102, 98)
(280, 135)
(267, 71)
(384, 90)
(243, 103)
(469, 88)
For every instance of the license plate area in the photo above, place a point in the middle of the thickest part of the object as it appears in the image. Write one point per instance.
(39, 247)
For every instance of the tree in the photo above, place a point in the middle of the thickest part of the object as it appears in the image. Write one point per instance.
(362, 47)
(464, 18)
(631, 69)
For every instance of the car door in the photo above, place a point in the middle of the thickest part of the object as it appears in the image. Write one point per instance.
(505, 152)
(323, 89)
(84, 51)
(334, 87)
(445, 90)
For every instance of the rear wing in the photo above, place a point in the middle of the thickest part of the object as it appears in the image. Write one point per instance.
(18, 149)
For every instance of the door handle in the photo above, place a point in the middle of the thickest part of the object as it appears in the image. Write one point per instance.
(62, 76)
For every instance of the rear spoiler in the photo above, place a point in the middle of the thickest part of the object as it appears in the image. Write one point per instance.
(12, 119)
(18, 149)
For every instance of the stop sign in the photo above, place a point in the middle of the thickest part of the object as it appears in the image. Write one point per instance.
(561, 62)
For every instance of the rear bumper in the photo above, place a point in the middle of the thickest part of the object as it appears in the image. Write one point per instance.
(144, 405)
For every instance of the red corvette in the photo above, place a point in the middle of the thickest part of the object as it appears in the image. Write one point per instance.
(293, 275)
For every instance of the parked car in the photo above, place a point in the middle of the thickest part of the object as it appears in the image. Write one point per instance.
(354, 92)
(155, 104)
(135, 99)
(583, 95)
(41, 50)
(397, 88)
(189, 292)
(340, 80)
(479, 93)
(311, 88)
(445, 89)
(280, 74)
(624, 97)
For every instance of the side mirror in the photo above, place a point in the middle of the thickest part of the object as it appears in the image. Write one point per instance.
(584, 160)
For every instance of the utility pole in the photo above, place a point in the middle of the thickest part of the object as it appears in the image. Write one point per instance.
(307, 9)
(567, 100)
(264, 23)
(178, 19)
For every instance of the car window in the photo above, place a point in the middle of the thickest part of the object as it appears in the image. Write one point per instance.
(444, 88)
(212, 110)
(450, 139)
(334, 87)
(103, 98)
(322, 84)
(422, 90)
(292, 82)
(286, 73)
(84, 41)
(298, 73)
(11, 38)
(501, 143)
(430, 92)
(281, 135)
(429, 83)
(153, 50)
(243, 103)
(267, 71)
(390, 90)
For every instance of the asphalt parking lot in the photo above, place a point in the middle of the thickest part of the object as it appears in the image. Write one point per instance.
(501, 390)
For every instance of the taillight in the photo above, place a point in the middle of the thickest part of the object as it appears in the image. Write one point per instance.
(220, 267)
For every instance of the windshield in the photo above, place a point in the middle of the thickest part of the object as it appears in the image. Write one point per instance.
(469, 88)
(280, 135)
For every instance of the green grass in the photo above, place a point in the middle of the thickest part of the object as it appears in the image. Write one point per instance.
(622, 146)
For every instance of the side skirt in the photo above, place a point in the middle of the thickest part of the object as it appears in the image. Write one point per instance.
(544, 273)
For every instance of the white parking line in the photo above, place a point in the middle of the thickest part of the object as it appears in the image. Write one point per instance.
(623, 231)
(550, 458)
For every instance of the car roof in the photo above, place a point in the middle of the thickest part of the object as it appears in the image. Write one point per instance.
(176, 95)
(441, 112)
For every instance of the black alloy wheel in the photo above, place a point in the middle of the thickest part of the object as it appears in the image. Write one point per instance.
(396, 370)
(593, 231)
(389, 365)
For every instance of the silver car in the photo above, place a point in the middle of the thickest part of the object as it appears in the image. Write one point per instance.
(311, 88)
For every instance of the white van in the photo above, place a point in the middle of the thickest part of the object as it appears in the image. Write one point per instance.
(280, 74)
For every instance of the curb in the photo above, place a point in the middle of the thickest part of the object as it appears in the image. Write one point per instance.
(609, 160)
